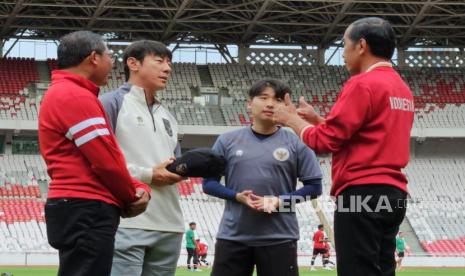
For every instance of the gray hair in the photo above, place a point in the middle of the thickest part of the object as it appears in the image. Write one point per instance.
(76, 46)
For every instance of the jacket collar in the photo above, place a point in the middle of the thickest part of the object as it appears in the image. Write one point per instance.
(61, 75)
(137, 93)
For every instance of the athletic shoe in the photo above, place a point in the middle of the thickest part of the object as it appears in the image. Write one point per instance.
(327, 268)
(312, 269)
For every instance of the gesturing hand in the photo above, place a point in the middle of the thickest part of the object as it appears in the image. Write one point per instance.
(286, 112)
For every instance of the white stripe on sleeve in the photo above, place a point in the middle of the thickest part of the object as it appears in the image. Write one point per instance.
(83, 125)
(91, 135)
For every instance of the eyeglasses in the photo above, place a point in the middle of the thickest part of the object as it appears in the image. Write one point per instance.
(110, 55)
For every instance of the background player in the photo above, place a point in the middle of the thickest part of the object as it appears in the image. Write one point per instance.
(319, 247)
(401, 248)
(191, 247)
(202, 251)
(327, 255)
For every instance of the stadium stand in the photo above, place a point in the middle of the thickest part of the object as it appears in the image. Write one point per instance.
(18, 107)
(433, 115)
(435, 208)
(439, 96)
(52, 64)
(312, 82)
(236, 114)
(20, 169)
(439, 92)
(22, 224)
(317, 84)
(437, 203)
(16, 74)
(115, 79)
(188, 113)
(437, 196)
(184, 76)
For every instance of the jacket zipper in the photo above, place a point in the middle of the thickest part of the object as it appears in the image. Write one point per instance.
(153, 119)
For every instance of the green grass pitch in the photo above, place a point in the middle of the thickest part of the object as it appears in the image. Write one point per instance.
(47, 271)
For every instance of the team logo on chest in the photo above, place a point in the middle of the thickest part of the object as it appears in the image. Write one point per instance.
(239, 153)
(281, 154)
(168, 128)
(140, 121)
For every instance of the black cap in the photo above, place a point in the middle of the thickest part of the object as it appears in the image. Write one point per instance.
(201, 162)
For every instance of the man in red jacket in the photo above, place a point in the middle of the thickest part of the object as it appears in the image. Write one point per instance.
(368, 134)
(90, 186)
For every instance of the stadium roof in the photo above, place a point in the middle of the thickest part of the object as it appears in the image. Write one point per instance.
(311, 22)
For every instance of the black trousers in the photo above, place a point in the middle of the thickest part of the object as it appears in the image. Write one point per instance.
(365, 237)
(83, 232)
(191, 253)
(237, 259)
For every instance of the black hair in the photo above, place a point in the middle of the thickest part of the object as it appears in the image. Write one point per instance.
(378, 34)
(192, 223)
(280, 89)
(142, 48)
(320, 226)
(76, 46)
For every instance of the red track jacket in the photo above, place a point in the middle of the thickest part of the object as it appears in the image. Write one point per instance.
(81, 152)
(368, 131)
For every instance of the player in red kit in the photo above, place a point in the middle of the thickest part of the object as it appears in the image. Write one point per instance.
(202, 251)
(327, 255)
(319, 247)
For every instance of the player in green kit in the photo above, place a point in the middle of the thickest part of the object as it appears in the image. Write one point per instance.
(401, 247)
(191, 246)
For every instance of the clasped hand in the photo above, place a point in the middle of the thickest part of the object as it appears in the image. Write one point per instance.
(266, 204)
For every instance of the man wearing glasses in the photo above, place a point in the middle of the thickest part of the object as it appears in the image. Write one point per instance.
(90, 187)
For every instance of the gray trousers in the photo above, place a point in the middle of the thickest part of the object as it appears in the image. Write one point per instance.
(145, 253)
